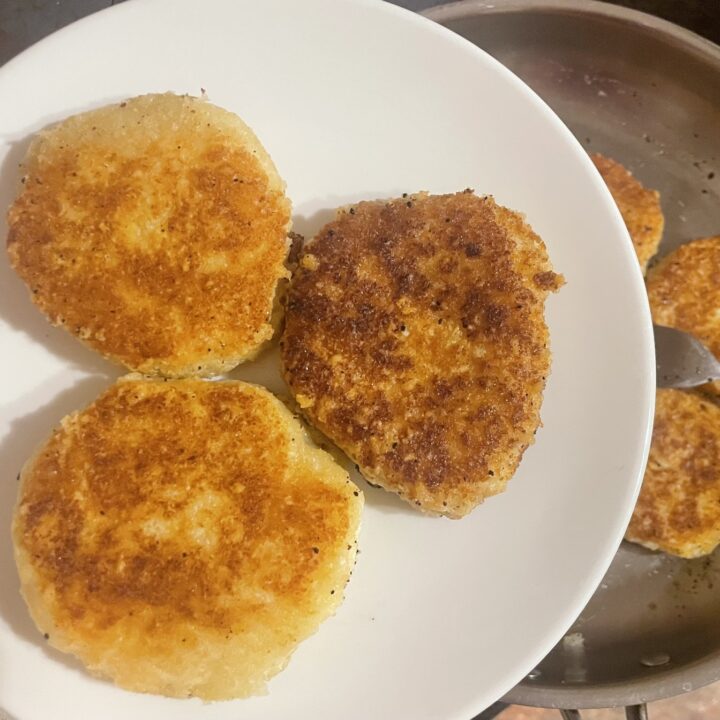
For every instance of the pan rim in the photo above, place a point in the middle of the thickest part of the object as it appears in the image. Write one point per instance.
(689, 40)
(669, 683)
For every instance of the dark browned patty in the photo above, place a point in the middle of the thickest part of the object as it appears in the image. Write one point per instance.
(415, 339)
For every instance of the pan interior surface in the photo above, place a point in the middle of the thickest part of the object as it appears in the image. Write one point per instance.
(646, 93)
(649, 632)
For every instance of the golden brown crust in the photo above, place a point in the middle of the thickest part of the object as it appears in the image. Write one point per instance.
(684, 293)
(155, 231)
(639, 207)
(182, 537)
(415, 339)
(679, 506)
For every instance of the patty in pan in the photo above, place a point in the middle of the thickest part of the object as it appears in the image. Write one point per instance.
(678, 510)
(639, 207)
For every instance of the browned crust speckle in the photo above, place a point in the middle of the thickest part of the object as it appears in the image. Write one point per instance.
(415, 339)
(679, 506)
(182, 537)
(639, 207)
(684, 293)
(155, 231)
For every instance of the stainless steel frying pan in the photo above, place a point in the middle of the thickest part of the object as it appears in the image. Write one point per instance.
(647, 93)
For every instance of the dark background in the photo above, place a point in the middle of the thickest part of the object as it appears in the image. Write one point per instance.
(23, 22)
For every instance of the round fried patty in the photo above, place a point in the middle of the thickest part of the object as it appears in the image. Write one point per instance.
(155, 231)
(183, 537)
(415, 339)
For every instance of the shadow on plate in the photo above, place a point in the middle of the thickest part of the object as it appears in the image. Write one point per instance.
(312, 216)
(308, 225)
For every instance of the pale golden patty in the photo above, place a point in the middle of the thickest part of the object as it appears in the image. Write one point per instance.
(679, 506)
(684, 292)
(639, 207)
(415, 339)
(183, 537)
(155, 230)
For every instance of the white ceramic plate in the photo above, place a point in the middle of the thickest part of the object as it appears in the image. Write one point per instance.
(357, 99)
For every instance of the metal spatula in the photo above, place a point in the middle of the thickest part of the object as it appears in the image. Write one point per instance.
(682, 360)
